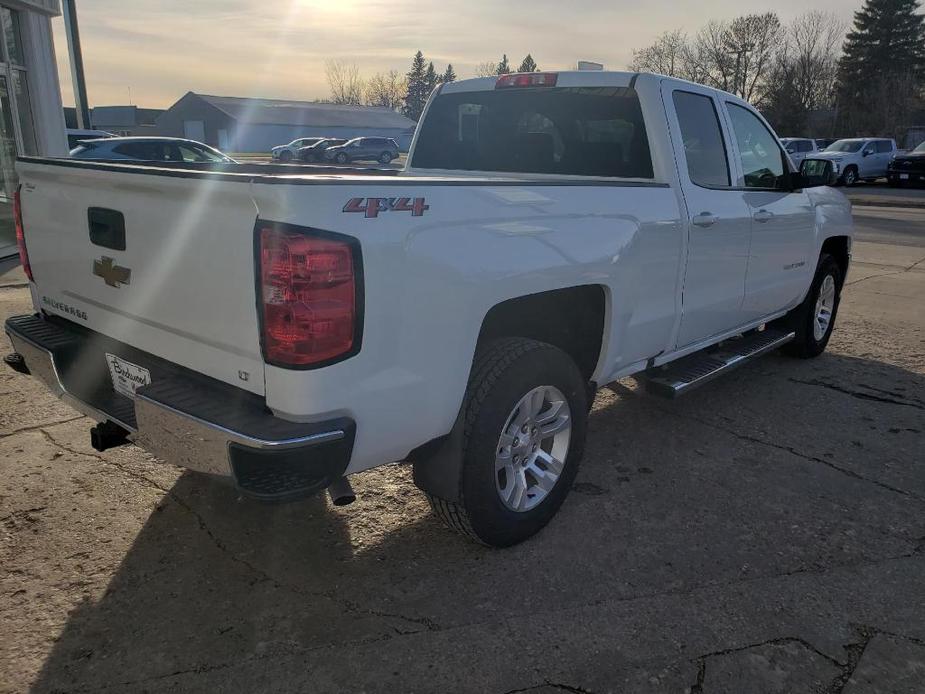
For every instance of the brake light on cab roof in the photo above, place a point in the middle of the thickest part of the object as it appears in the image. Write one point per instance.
(527, 79)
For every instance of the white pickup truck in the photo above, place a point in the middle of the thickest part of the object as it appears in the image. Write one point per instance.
(552, 232)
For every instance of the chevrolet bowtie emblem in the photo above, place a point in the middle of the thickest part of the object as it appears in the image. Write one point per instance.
(114, 275)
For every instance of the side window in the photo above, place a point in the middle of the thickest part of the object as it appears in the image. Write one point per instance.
(805, 146)
(884, 146)
(704, 148)
(760, 153)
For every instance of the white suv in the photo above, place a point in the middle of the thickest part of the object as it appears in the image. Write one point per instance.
(799, 148)
(860, 158)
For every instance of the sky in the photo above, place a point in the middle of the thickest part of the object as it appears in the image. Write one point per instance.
(151, 53)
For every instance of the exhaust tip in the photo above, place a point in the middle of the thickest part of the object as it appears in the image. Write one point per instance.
(341, 492)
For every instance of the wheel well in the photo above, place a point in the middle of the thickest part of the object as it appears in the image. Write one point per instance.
(572, 319)
(838, 248)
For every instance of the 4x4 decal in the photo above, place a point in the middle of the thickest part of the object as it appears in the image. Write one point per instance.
(371, 207)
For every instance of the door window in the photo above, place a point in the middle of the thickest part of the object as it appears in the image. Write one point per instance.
(759, 151)
(884, 146)
(704, 148)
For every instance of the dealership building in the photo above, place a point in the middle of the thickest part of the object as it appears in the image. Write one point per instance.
(237, 124)
(31, 119)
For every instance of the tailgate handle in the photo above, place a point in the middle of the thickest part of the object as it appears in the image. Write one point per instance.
(107, 228)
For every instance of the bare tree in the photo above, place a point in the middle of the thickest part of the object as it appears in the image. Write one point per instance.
(386, 89)
(488, 69)
(667, 56)
(752, 41)
(344, 81)
(710, 58)
(803, 77)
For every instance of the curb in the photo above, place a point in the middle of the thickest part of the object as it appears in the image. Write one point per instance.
(916, 203)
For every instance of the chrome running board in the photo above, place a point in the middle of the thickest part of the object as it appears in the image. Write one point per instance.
(686, 374)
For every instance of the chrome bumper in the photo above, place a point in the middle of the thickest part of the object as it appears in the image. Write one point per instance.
(195, 441)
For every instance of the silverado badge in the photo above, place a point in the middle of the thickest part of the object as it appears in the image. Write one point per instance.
(114, 275)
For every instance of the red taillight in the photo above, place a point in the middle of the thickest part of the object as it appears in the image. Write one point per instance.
(20, 236)
(527, 79)
(309, 297)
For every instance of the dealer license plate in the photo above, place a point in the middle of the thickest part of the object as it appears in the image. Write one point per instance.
(126, 376)
(904, 177)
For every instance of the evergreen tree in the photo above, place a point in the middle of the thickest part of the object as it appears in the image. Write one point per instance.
(887, 34)
(880, 75)
(417, 88)
(504, 67)
(528, 65)
(449, 75)
(431, 80)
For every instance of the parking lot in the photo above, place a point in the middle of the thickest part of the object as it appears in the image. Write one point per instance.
(763, 534)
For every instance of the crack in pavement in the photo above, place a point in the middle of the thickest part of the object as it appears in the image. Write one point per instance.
(22, 512)
(858, 394)
(886, 274)
(264, 576)
(39, 427)
(555, 685)
(781, 447)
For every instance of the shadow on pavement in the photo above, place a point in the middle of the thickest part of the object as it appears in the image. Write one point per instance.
(785, 466)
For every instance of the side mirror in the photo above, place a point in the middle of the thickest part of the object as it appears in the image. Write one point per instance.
(867, 152)
(791, 150)
(817, 172)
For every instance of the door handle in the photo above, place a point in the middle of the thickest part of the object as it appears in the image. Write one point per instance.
(763, 216)
(704, 219)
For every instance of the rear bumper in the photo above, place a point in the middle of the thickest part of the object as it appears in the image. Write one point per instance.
(184, 417)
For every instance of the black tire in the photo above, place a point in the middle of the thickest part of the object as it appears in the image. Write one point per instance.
(850, 177)
(385, 158)
(504, 371)
(802, 319)
(285, 155)
(341, 158)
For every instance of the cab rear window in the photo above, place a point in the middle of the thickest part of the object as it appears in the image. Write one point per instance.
(587, 131)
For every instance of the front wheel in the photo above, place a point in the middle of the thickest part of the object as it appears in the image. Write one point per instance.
(814, 319)
(850, 177)
(341, 158)
(385, 158)
(524, 432)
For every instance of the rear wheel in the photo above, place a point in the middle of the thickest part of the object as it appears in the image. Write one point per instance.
(385, 157)
(814, 319)
(850, 177)
(341, 158)
(524, 431)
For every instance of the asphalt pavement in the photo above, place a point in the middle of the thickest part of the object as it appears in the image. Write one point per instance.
(764, 534)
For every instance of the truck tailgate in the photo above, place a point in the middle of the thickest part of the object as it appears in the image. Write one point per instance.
(179, 284)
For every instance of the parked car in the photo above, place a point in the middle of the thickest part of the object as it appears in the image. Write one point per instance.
(315, 152)
(550, 233)
(908, 167)
(75, 135)
(823, 142)
(291, 151)
(860, 158)
(799, 148)
(162, 149)
(381, 149)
